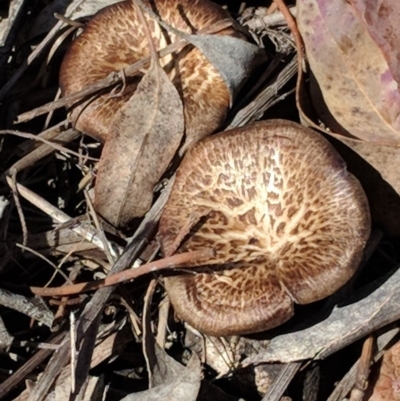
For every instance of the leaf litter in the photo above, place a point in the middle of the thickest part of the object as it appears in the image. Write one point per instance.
(46, 181)
(355, 59)
(144, 139)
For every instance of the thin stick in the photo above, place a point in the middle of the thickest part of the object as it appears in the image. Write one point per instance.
(12, 182)
(361, 384)
(38, 138)
(49, 37)
(39, 255)
(299, 45)
(102, 236)
(87, 231)
(194, 218)
(72, 350)
(166, 263)
(69, 21)
(280, 384)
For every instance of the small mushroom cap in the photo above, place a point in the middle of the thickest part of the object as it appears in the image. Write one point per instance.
(287, 221)
(115, 39)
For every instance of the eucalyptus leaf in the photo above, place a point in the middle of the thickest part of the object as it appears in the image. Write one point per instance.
(355, 62)
(142, 142)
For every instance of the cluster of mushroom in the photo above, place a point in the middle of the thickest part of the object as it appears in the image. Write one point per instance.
(287, 221)
(134, 122)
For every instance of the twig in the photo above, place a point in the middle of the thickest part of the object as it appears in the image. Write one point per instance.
(57, 215)
(299, 45)
(363, 367)
(148, 343)
(165, 263)
(72, 331)
(6, 339)
(145, 26)
(69, 21)
(194, 218)
(266, 98)
(349, 379)
(276, 390)
(31, 307)
(39, 255)
(106, 244)
(12, 182)
(11, 382)
(17, 75)
(38, 138)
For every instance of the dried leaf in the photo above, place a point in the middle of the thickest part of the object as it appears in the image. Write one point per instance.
(381, 20)
(343, 326)
(355, 59)
(387, 386)
(184, 387)
(142, 143)
(357, 79)
(234, 58)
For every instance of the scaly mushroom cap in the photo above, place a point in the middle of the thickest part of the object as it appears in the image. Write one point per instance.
(114, 39)
(286, 219)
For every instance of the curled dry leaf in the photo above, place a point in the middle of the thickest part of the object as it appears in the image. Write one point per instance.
(352, 50)
(137, 151)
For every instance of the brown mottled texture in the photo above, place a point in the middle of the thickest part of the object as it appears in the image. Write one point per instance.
(114, 39)
(387, 386)
(288, 224)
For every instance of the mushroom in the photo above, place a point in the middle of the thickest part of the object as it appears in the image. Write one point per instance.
(287, 222)
(115, 39)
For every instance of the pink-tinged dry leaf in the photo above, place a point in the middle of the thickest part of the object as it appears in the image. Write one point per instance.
(356, 67)
(387, 386)
(142, 143)
(381, 19)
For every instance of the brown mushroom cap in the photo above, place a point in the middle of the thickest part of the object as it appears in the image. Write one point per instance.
(286, 219)
(115, 39)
